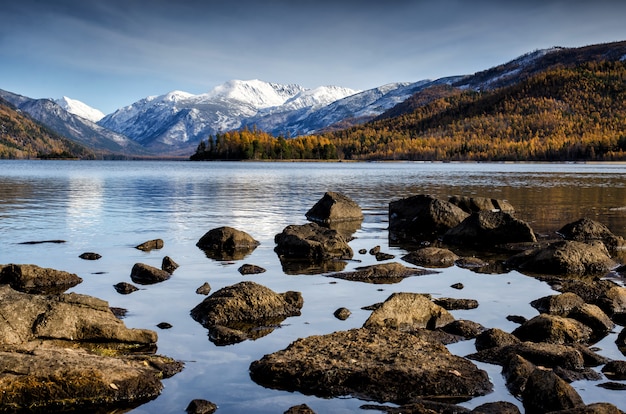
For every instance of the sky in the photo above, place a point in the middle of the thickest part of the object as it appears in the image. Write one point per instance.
(109, 54)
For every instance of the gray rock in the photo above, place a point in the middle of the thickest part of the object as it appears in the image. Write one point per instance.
(30, 278)
(245, 310)
(377, 365)
(489, 228)
(144, 274)
(422, 217)
(227, 243)
(335, 208)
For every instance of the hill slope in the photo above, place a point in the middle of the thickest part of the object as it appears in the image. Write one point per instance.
(22, 137)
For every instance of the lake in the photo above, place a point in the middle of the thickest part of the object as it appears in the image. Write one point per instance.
(109, 207)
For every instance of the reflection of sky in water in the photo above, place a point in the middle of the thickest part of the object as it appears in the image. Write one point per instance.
(109, 207)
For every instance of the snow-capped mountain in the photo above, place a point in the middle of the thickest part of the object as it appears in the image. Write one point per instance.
(79, 108)
(181, 120)
(76, 128)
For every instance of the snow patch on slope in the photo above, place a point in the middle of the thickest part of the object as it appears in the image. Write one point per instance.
(79, 108)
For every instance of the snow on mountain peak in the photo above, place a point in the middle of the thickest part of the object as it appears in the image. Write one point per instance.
(79, 108)
(256, 93)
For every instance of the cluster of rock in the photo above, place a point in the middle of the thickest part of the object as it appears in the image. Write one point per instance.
(398, 355)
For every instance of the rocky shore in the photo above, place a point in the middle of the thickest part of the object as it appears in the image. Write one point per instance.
(66, 351)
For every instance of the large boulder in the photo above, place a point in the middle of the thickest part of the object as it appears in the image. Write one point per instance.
(553, 329)
(144, 274)
(382, 273)
(587, 230)
(30, 278)
(476, 204)
(311, 242)
(422, 217)
(489, 228)
(378, 365)
(227, 243)
(245, 310)
(564, 258)
(545, 391)
(335, 208)
(407, 312)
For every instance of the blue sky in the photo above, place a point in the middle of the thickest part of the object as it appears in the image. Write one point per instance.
(112, 53)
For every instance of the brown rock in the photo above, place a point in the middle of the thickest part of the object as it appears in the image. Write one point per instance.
(250, 269)
(431, 257)
(227, 243)
(553, 329)
(382, 365)
(169, 265)
(35, 279)
(489, 228)
(494, 338)
(311, 242)
(335, 208)
(90, 256)
(150, 245)
(545, 392)
(587, 230)
(300, 409)
(615, 370)
(476, 204)
(385, 273)
(144, 274)
(408, 311)
(560, 305)
(199, 406)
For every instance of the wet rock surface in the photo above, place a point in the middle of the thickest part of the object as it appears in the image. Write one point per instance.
(335, 207)
(144, 274)
(489, 228)
(150, 245)
(476, 204)
(30, 278)
(245, 310)
(431, 257)
(382, 273)
(70, 350)
(373, 364)
(227, 243)
(407, 312)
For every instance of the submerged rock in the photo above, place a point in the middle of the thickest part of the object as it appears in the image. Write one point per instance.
(30, 278)
(227, 243)
(382, 273)
(476, 204)
(431, 257)
(150, 245)
(376, 365)
(245, 310)
(90, 256)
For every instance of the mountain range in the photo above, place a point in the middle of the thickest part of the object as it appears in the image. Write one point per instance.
(175, 123)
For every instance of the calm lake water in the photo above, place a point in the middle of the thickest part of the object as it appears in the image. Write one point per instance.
(109, 207)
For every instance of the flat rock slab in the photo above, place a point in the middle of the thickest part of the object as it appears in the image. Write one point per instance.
(30, 278)
(376, 365)
(50, 379)
(385, 273)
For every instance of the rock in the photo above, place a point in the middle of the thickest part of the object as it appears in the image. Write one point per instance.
(553, 329)
(615, 370)
(476, 204)
(381, 365)
(164, 325)
(342, 314)
(250, 269)
(455, 304)
(205, 289)
(150, 245)
(560, 305)
(300, 409)
(90, 256)
(545, 391)
(54, 379)
(613, 301)
(621, 341)
(247, 310)
(458, 286)
(544, 354)
(125, 288)
(422, 217)
(495, 338)
(199, 406)
(498, 407)
(472, 263)
(422, 406)
(227, 243)
(362, 251)
(169, 265)
(34, 279)
(586, 230)
(144, 274)
(593, 317)
(564, 258)
(385, 273)
(381, 256)
(375, 250)
(408, 311)
(489, 228)
(311, 242)
(464, 328)
(516, 372)
(335, 208)
(596, 408)
(431, 257)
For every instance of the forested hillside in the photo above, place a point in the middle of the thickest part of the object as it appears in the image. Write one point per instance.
(21, 137)
(562, 114)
